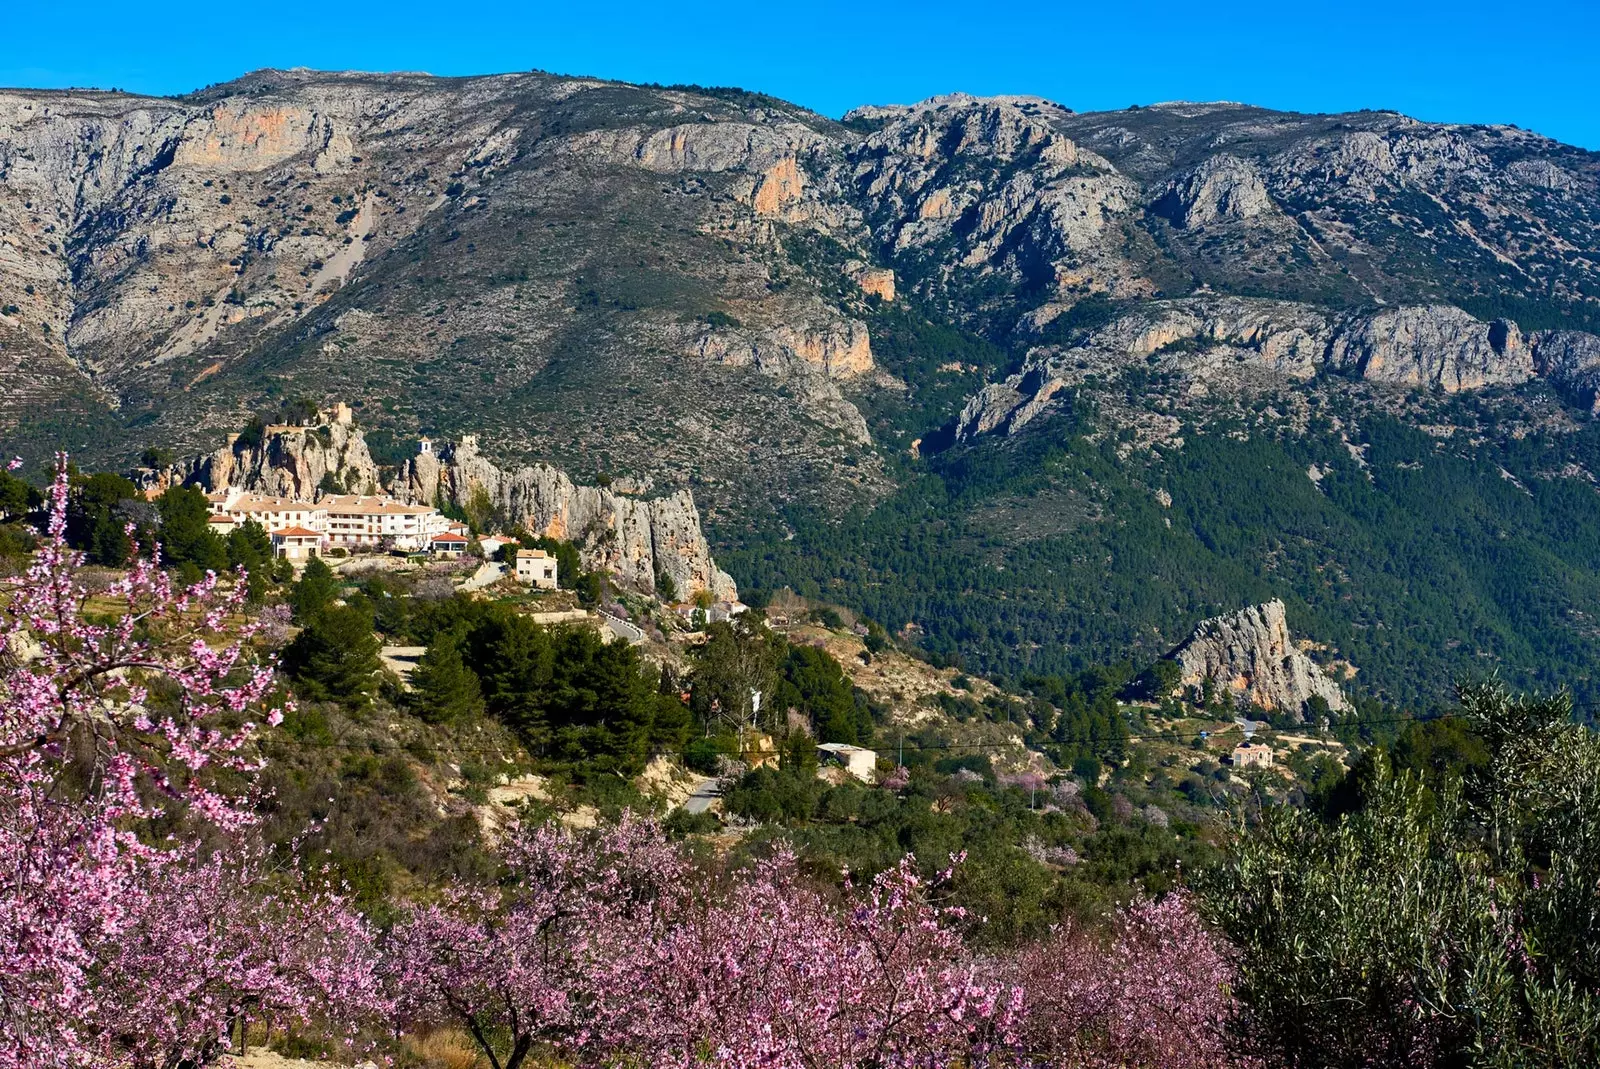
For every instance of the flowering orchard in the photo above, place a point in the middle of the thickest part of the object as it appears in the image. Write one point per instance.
(609, 948)
(137, 922)
(144, 926)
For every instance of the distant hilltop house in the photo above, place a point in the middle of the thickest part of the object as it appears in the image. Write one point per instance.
(859, 761)
(1251, 755)
(349, 521)
(537, 568)
(717, 612)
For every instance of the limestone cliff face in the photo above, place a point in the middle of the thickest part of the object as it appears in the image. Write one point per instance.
(632, 538)
(772, 164)
(1250, 655)
(290, 462)
(811, 361)
(997, 181)
(1436, 347)
(1196, 337)
(1221, 189)
(162, 260)
(1570, 359)
(1432, 345)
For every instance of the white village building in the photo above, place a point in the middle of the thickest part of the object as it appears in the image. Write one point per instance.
(353, 521)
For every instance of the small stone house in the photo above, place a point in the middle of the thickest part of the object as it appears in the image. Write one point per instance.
(537, 568)
(859, 761)
(1251, 755)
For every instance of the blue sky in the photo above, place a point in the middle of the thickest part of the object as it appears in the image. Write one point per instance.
(1535, 63)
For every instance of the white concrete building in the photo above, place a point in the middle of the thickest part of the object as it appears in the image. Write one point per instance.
(859, 761)
(1251, 755)
(358, 520)
(354, 521)
(273, 513)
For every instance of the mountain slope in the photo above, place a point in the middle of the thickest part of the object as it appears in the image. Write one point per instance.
(1046, 387)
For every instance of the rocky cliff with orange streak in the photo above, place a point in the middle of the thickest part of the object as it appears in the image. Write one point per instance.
(237, 134)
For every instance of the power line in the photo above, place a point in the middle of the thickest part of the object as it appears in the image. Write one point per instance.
(938, 746)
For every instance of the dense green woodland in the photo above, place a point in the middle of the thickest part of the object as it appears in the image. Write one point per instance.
(1422, 563)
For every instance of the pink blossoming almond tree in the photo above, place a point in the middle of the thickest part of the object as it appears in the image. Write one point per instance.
(774, 974)
(119, 947)
(609, 948)
(527, 966)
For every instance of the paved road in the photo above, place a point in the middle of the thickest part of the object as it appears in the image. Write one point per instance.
(703, 796)
(623, 629)
(488, 574)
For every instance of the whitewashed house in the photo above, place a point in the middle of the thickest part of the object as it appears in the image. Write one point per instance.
(537, 568)
(296, 543)
(492, 545)
(358, 520)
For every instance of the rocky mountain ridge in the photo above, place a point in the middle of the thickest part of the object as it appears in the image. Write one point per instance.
(830, 334)
(1431, 347)
(508, 243)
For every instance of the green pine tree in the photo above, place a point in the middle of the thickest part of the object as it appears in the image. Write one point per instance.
(315, 590)
(444, 689)
(186, 536)
(249, 547)
(335, 657)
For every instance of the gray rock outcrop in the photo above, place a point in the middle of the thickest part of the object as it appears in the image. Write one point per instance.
(1435, 345)
(811, 361)
(1251, 656)
(1029, 196)
(289, 462)
(1183, 336)
(1221, 189)
(1570, 359)
(632, 538)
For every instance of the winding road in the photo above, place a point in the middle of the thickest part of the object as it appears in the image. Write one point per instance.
(704, 794)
